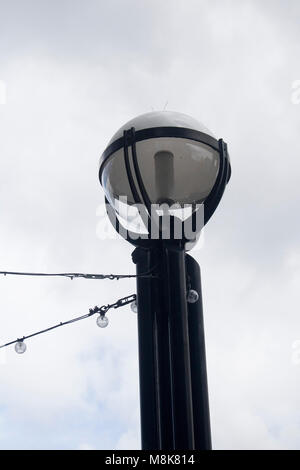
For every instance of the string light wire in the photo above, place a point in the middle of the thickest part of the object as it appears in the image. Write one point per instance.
(92, 311)
(82, 275)
(101, 310)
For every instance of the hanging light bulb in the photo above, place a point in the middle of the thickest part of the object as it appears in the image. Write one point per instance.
(134, 306)
(20, 347)
(192, 296)
(102, 321)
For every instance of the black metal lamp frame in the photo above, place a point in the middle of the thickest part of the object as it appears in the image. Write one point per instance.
(139, 192)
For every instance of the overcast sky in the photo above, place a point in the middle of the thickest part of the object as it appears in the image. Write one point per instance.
(74, 73)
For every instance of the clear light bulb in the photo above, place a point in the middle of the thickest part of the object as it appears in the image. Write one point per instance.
(134, 306)
(20, 347)
(192, 296)
(102, 321)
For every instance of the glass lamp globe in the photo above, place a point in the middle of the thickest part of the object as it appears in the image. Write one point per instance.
(20, 347)
(174, 170)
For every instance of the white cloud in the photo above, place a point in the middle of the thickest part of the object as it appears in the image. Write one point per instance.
(85, 447)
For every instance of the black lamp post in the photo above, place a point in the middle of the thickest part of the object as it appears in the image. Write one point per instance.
(163, 175)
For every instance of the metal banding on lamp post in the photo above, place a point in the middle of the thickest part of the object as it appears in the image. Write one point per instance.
(164, 175)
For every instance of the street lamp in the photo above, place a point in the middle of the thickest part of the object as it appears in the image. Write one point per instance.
(163, 175)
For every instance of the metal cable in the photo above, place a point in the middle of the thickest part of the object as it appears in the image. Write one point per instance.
(82, 275)
(101, 310)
